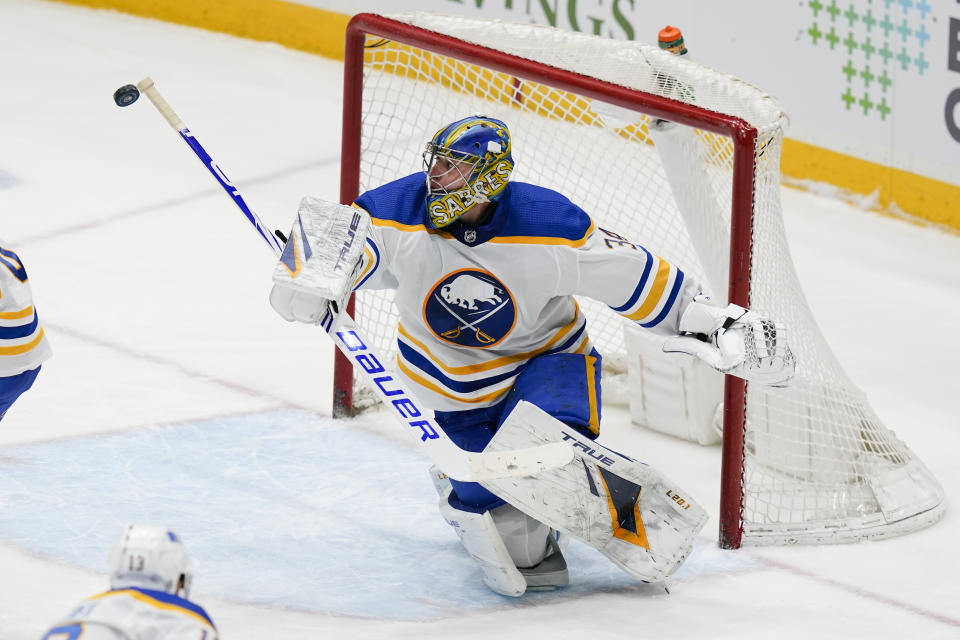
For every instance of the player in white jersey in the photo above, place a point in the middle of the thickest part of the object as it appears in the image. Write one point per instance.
(23, 345)
(485, 271)
(149, 586)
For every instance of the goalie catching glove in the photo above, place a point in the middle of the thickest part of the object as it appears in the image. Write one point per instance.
(320, 260)
(736, 341)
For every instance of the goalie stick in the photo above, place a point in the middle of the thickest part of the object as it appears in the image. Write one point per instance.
(455, 462)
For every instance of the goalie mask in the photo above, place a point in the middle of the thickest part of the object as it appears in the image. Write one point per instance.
(150, 557)
(467, 162)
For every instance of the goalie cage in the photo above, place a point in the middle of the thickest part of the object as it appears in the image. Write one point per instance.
(808, 464)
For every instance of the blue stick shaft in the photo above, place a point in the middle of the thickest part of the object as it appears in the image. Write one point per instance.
(231, 190)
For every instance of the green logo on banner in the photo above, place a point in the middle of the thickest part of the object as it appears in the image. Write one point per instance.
(876, 40)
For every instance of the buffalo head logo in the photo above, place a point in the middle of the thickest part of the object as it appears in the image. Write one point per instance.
(470, 308)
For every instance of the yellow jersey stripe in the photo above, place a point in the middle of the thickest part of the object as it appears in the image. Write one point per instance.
(537, 240)
(142, 597)
(368, 254)
(423, 382)
(592, 394)
(399, 226)
(14, 315)
(579, 242)
(655, 293)
(585, 345)
(22, 348)
(383, 222)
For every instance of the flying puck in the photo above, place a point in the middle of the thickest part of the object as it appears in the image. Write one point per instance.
(126, 95)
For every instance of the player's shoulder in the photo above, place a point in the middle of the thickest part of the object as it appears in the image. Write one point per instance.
(541, 215)
(159, 603)
(12, 271)
(400, 202)
(16, 298)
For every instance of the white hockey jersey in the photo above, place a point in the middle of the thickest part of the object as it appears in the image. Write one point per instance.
(134, 614)
(476, 304)
(23, 345)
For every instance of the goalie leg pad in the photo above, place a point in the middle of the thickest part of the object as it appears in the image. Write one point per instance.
(551, 572)
(479, 536)
(524, 537)
(627, 510)
(533, 547)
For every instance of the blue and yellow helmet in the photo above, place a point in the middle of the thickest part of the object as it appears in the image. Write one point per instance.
(476, 149)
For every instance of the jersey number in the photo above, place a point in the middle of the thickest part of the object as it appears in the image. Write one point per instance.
(136, 563)
(615, 240)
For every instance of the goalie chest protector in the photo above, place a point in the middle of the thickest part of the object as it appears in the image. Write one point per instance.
(477, 303)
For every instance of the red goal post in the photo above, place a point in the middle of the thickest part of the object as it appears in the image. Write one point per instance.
(406, 75)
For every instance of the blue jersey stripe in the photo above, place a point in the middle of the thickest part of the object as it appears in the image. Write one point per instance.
(643, 282)
(572, 340)
(669, 304)
(425, 365)
(457, 386)
(376, 263)
(11, 261)
(20, 331)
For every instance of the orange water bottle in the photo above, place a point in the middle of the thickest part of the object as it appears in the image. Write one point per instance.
(671, 39)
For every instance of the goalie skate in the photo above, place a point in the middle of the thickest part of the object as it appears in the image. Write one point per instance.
(640, 520)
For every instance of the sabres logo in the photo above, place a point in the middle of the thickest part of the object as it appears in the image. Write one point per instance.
(470, 308)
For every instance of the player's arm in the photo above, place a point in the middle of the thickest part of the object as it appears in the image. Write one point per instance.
(636, 283)
(23, 343)
(655, 294)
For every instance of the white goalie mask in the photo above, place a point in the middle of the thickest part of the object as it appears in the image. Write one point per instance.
(150, 557)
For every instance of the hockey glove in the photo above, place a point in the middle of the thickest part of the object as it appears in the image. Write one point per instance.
(736, 341)
(320, 260)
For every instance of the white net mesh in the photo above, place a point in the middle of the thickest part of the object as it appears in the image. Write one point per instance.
(820, 466)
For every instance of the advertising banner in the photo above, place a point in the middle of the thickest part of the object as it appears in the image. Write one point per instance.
(874, 80)
(872, 87)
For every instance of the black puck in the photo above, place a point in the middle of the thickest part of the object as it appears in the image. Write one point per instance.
(126, 95)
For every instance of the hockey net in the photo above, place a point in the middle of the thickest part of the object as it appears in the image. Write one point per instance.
(810, 463)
